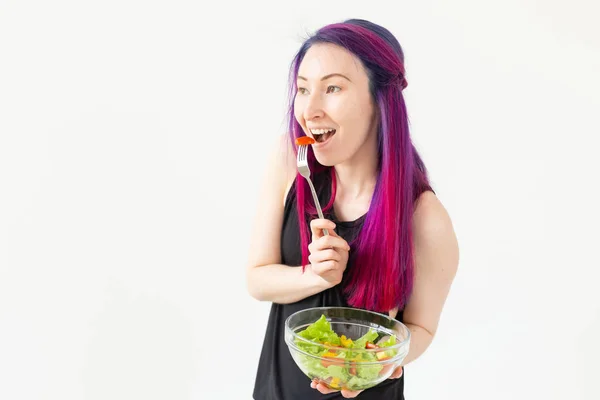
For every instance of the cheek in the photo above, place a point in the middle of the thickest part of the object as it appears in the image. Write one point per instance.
(363, 114)
(350, 114)
(299, 111)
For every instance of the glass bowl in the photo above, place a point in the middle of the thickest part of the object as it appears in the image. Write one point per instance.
(346, 348)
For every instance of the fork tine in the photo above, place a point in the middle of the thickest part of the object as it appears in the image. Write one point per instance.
(301, 153)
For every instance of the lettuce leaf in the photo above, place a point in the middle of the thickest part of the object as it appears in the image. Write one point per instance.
(320, 331)
(356, 383)
(368, 372)
(361, 342)
(313, 366)
(390, 342)
(338, 371)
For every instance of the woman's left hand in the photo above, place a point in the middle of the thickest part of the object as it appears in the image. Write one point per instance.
(349, 394)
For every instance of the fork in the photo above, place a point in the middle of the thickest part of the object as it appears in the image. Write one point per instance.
(302, 163)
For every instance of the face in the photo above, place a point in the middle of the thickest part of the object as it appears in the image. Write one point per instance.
(333, 104)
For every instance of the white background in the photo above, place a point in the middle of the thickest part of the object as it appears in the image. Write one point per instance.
(132, 142)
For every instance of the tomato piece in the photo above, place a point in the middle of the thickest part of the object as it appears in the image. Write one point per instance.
(304, 140)
(330, 359)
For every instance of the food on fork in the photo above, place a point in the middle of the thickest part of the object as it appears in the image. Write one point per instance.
(304, 140)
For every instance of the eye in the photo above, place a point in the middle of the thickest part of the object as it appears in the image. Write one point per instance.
(302, 90)
(333, 87)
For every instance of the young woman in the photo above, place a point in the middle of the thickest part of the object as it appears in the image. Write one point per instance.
(391, 247)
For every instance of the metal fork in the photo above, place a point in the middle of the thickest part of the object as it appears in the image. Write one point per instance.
(302, 163)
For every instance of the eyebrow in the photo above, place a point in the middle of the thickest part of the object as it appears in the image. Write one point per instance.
(327, 77)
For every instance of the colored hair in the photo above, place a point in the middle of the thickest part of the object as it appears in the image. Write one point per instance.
(381, 276)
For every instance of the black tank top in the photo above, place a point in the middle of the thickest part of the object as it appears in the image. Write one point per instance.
(278, 377)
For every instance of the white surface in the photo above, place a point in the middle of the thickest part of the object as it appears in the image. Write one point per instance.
(125, 204)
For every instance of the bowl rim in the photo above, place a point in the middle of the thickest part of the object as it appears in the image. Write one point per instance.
(398, 345)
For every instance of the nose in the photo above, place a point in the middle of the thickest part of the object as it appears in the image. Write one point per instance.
(313, 108)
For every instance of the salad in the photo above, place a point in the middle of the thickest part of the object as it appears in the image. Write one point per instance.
(342, 364)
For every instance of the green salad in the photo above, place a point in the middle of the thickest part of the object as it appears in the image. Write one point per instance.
(343, 366)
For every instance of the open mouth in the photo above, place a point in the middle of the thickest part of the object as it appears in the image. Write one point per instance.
(323, 137)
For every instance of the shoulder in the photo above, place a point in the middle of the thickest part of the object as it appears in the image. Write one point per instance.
(433, 232)
(281, 165)
(430, 216)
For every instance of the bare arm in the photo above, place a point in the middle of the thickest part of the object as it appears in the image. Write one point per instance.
(436, 263)
(267, 279)
(282, 284)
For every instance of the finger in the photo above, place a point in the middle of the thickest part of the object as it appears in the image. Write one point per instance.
(317, 226)
(324, 255)
(350, 394)
(324, 389)
(333, 233)
(397, 373)
(328, 242)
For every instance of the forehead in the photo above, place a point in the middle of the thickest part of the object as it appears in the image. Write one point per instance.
(325, 58)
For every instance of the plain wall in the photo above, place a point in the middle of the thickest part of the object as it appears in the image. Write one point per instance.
(132, 142)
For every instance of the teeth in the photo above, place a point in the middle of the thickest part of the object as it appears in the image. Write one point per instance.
(321, 131)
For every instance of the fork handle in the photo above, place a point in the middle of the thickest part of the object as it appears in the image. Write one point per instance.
(317, 204)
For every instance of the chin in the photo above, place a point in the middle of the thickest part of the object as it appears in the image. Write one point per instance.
(326, 161)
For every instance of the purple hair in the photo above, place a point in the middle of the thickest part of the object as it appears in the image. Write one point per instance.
(382, 253)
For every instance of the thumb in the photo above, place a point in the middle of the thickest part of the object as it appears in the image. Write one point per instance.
(333, 233)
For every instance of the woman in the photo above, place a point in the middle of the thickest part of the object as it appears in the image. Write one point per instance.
(391, 247)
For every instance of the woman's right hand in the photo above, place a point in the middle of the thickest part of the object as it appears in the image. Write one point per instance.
(328, 254)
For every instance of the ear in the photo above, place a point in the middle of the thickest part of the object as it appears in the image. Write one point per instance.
(393, 312)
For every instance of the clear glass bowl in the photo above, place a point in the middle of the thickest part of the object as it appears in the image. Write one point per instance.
(340, 367)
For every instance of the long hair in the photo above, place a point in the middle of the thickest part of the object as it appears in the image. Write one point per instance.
(382, 272)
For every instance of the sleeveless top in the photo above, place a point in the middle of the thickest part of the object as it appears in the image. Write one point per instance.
(278, 377)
